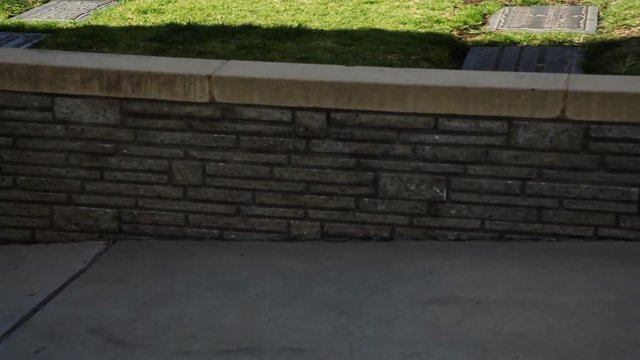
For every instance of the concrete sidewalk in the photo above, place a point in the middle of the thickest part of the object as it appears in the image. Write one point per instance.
(402, 300)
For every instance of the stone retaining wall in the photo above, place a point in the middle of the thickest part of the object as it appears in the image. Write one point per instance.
(77, 168)
(109, 147)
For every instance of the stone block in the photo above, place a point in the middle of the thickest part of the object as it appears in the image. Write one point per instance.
(600, 206)
(540, 228)
(237, 170)
(622, 162)
(112, 201)
(312, 201)
(271, 185)
(382, 120)
(117, 162)
(547, 159)
(240, 223)
(23, 222)
(305, 230)
(630, 221)
(85, 219)
(48, 184)
(162, 191)
(451, 153)
(323, 161)
(361, 232)
(257, 113)
(393, 206)
(20, 195)
(486, 185)
(615, 132)
(544, 135)
(187, 206)
(95, 111)
(311, 124)
(502, 171)
(136, 177)
(152, 217)
(100, 133)
(17, 209)
(186, 172)
(612, 233)
(181, 232)
(439, 222)
(272, 144)
(412, 233)
(30, 129)
(326, 176)
(189, 139)
(453, 139)
(51, 171)
(25, 100)
(407, 186)
(67, 145)
(232, 196)
(504, 200)
(352, 190)
(359, 217)
(578, 217)
(172, 109)
(28, 157)
(490, 212)
(272, 212)
(359, 148)
(239, 157)
(599, 192)
(473, 125)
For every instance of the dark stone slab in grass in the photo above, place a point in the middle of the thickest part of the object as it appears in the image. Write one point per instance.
(525, 59)
(19, 40)
(545, 18)
(64, 10)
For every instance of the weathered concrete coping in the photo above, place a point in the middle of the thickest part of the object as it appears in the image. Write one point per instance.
(534, 95)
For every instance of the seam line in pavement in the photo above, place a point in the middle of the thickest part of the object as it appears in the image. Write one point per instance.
(26, 317)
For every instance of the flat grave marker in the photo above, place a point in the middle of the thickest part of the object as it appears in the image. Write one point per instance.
(545, 18)
(19, 40)
(64, 10)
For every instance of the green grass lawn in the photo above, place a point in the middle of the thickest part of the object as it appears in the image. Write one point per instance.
(399, 33)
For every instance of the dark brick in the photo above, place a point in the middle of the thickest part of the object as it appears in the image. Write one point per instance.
(439, 222)
(233, 196)
(207, 111)
(608, 178)
(96, 111)
(328, 146)
(85, 219)
(310, 123)
(151, 151)
(257, 113)
(243, 128)
(405, 233)
(490, 212)
(578, 217)
(15, 235)
(23, 100)
(451, 153)
(136, 177)
(341, 189)
(49, 171)
(411, 166)
(238, 170)
(313, 201)
(305, 230)
(17, 209)
(242, 223)
(272, 212)
(358, 217)
(382, 120)
(352, 231)
(610, 233)
(162, 191)
(186, 172)
(324, 161)
(615, 131)
(48, 184)
(181, 205)
(600, 206)
(114, 162)
(486, 185)
(154, 123)
(6, 142)
(363, 134)
(561, 160)
(502, 171)
(6, 181)
(252, 236)
(622, 162)
(406, 186)
(26, 115)
(24, 128)
(240, 157)
(189, 139)
(504, 200)
(583, 191)
(29, 157)
(272, 144)
(100, 133)
(327, 176)
(614, 148)
(272, 185)
(64, 236)
(453, 139)
(171, 232)
(540, 228)
(630, 221)
(543, 135)
(103, 200)
(394, 206)
(472, 125)
(19, 195)
(65, 145)
(152, 217)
